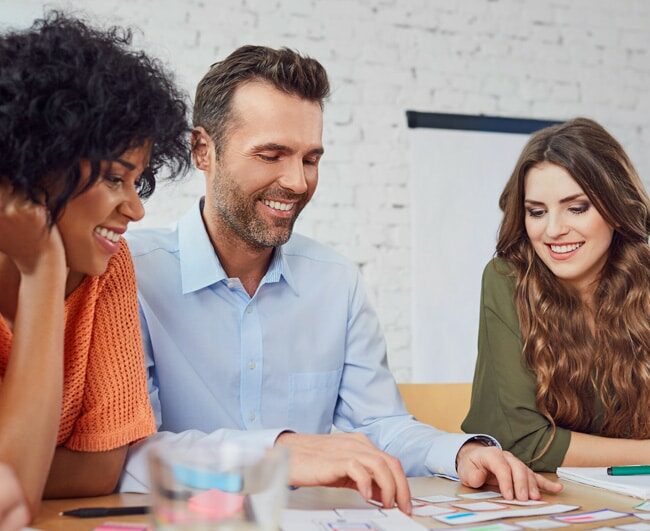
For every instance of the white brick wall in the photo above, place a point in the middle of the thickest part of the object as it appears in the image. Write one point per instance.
(531, 58)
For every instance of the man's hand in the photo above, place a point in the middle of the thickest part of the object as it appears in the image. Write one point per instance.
(347, 460)
(13, 510)
(480, 465)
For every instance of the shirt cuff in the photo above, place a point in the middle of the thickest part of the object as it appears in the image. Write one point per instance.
(265, 438)
(441, 459)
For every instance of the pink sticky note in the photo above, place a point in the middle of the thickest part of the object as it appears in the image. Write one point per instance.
(216, 504)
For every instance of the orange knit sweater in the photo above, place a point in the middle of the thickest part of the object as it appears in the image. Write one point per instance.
(105, 400)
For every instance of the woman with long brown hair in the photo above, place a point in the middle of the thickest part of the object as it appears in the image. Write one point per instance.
(563, 370)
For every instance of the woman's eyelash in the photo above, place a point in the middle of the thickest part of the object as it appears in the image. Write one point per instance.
(535, 212)
(580, 209)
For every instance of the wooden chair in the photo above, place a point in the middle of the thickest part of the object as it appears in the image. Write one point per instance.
(441, 405)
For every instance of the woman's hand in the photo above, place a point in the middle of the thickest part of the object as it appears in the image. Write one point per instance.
(24, 233)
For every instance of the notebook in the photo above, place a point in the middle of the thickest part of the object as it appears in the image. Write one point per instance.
(637, 486)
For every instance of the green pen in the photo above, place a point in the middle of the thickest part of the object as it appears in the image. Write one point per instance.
(632, 470)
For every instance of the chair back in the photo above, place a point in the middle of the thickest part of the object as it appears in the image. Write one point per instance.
(441, 405)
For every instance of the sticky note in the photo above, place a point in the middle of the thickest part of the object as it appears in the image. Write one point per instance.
(592, 516)
(216, 504)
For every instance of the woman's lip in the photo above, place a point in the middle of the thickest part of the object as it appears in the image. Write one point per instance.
(108, 246)
(563, 256)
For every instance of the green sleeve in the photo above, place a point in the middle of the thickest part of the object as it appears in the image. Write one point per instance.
(503, 394)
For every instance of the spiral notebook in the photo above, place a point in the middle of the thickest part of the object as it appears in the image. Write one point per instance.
(637, 486)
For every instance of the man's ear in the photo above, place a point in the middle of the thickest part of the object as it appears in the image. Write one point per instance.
(202, 149)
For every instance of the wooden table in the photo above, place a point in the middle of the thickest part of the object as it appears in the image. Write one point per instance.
(322, 498)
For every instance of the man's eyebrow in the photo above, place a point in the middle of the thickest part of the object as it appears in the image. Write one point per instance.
(272, 146)
(562, 201)
(126, 164)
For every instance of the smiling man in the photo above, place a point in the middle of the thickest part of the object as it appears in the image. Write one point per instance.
(253, 334)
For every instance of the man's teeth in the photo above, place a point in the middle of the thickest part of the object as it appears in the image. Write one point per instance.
(277, 205)
(560, 249)
(108, 234)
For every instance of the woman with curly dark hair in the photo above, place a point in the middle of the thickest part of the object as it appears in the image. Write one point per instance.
(563, 373)
(85, 125)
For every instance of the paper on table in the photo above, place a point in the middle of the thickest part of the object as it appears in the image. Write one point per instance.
(638, 486)
(639, 526)
(481, 495)
(642, 516)
(435, 498)
(527, 503)
(543, 523)
(479, 506)
(359, 514)
(592, 516)
(431, 510)
(473, 518)
(491, 527)
(390, 520)
(645, 506)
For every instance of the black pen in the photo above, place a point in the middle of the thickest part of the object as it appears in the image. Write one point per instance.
(101, 512)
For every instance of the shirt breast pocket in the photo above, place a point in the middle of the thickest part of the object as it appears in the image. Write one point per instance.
(312, 399)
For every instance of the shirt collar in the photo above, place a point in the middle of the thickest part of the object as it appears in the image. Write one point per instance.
(279, 268)
(200, 266)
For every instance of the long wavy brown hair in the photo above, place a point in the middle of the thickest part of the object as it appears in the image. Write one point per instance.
(573, 360)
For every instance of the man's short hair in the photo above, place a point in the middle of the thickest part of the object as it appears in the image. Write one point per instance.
(285, 69)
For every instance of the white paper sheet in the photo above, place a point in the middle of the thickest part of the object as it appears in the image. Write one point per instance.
(390, 520)
(436, 498)
(474, 518)
(487, 495)
(639, 526)
(431, 510)
(592, 516)
(542, 523)
(480, 506)
(527, 503)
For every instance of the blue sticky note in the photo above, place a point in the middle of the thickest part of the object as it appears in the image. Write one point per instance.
(197, 478)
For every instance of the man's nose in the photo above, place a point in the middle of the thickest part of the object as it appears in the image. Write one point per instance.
(293, 177)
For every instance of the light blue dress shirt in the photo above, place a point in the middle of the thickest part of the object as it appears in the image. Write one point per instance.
(304, 353)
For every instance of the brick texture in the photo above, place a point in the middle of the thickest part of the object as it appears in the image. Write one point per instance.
(548, 59)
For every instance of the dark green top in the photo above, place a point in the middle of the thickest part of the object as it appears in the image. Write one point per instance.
(503, 394)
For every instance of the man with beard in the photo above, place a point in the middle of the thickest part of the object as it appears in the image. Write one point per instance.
(253, 334)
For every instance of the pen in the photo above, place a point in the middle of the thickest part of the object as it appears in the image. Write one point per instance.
(101, 512)
(633, 470)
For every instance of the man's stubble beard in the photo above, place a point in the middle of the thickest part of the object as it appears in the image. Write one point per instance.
(239, 213)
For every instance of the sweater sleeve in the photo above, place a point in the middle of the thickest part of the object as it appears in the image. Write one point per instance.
(116, 409)
(503, 393)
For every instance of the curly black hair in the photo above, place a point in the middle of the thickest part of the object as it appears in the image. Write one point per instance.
(70, 92)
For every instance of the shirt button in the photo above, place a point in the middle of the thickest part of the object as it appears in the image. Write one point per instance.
(251, 417)
(249, 309)
(230, 284)
(252, 365)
